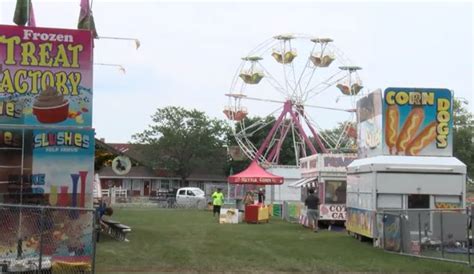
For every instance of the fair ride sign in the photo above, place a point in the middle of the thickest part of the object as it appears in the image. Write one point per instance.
(45, 76)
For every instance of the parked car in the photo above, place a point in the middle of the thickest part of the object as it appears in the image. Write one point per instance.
(190, 197)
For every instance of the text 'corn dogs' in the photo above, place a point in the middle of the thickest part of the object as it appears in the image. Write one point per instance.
(443, 117)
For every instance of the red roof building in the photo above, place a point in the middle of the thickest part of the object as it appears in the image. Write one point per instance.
(143, 180)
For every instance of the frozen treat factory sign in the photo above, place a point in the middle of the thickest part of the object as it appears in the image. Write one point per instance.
(45, 76)
(417, 121)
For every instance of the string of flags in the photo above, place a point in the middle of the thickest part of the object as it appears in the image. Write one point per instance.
(25, 16)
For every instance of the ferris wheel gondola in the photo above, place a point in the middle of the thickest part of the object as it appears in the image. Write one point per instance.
(296, 85)
(352, 84)
(324, 57)
(252, 75)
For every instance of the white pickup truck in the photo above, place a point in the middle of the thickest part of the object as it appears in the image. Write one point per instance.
(190, 197)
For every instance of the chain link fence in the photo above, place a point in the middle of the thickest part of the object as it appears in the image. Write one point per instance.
(443, 234)
(40, 239)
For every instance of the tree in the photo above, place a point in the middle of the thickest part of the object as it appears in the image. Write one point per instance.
(345, 135)
(463, 136)
(183, 140)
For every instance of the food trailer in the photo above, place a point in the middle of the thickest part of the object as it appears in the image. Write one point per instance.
(405, 159)
(327, 174)
(399, 182)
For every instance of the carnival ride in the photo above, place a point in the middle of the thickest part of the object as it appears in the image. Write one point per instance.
(293, 71)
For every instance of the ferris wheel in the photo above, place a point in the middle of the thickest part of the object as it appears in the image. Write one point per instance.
(295, 76)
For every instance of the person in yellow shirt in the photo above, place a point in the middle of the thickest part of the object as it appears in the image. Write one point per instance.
(217, 201)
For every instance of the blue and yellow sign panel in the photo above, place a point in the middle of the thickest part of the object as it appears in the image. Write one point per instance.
(417, 122)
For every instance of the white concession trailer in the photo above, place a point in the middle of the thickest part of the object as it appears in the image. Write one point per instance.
(381, 183)
(326, 173)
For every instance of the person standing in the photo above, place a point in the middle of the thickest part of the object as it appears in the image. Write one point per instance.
(217, 201)
(261, 196)
(312, 205)
(248, 200)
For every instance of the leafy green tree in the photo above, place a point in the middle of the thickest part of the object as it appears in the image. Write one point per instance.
(463, 136)
(183, 141)
(345, 135)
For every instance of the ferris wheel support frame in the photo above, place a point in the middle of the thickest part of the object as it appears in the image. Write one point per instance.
(315, 135)
(274, 153)
(300, 130)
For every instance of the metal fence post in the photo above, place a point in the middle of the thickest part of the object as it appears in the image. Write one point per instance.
(95, 232)
(469, 222)
(400, 224)
(419, 230)
(383, 230)
(41, 240)
(442, 234)
(471, 228)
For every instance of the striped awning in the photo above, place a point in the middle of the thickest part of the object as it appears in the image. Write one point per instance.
(300, 182)
(312, 183)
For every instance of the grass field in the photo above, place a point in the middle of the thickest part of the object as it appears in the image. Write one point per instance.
(191, 241)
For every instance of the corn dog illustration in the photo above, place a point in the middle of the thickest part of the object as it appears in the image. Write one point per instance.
(422, 140)
(391, 126)
(410, 127)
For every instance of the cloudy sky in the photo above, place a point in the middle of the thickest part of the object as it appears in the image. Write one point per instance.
(190, 51)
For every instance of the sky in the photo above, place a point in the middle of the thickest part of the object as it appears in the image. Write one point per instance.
(190, 51)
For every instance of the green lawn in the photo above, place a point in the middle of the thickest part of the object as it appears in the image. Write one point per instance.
(185, 240)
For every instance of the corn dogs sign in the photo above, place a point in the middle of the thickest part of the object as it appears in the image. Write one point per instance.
(417, 122)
